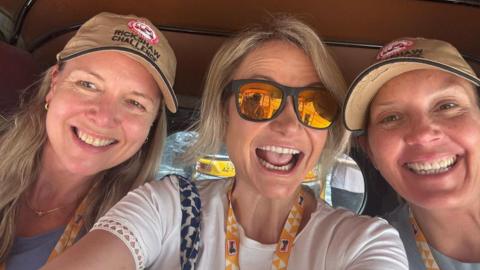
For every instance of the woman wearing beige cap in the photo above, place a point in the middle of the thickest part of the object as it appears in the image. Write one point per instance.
(272, 96)
(418, 108)
(93, 130)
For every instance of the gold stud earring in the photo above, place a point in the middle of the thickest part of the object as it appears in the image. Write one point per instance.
(46, 106)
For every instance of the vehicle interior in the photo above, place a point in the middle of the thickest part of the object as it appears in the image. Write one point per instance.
(33, 31)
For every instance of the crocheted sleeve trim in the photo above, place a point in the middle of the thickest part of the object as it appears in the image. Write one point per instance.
(127, 237)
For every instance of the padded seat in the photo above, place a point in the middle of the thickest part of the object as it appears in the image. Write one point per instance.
(18, 70)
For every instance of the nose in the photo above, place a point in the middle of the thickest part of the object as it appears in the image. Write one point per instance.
(286, 122)
(422, 131)
(104, 112)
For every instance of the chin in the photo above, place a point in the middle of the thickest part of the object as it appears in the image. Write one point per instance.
(437, 201)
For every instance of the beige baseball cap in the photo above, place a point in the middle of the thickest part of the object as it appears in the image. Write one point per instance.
(395, 58)
(137, 38)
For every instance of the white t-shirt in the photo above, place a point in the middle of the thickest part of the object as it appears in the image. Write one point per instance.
(148, 221)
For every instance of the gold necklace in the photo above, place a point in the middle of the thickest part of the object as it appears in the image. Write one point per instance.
(41, 213)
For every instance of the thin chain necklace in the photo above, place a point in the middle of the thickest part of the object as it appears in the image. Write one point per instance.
(42, 213)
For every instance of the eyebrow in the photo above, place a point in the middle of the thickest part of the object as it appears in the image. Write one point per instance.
(268, 78)
(446, 87)
(98, 76)
(140, 94)
(92, 73)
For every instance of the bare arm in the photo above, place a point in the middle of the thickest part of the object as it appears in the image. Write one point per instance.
(97, 250)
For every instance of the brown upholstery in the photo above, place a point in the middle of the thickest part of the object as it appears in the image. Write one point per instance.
(18, 70)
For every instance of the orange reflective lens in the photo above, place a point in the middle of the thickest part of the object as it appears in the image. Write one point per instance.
(259, 100)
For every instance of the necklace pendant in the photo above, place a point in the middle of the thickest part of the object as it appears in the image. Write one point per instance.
(40, 213)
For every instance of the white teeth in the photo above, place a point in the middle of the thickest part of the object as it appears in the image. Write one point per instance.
(437, 166)
(97, 142)
(280, 150)
(270, 166)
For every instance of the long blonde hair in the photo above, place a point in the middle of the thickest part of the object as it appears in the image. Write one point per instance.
(22, 138)
(213, 113)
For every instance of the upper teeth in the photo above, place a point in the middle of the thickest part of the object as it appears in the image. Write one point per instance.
(88, 139)
(280, 150)
(437, 166)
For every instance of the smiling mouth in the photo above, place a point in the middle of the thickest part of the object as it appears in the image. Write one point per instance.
(92, 140)
(435, 167)
(278, 158)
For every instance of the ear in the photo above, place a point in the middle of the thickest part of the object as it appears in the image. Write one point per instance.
(53, 82)
(362, 140)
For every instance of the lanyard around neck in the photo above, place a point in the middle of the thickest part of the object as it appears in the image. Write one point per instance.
(284, 245)
(422, 245)
(70, 233)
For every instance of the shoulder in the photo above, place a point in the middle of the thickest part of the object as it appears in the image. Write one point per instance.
(344, 226)
(347, 239)
(172, 186)
(340, 216)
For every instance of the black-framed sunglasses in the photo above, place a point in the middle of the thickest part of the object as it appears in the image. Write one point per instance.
(261, 100)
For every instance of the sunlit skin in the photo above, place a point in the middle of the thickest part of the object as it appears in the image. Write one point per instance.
(100, 109)
(422, 117)
(110, 102)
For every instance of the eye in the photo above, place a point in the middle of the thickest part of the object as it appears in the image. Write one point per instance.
(87, 85)
(447, 106)
(390, 118)
(136, 104)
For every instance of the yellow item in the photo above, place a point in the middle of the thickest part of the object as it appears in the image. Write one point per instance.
(215, 166)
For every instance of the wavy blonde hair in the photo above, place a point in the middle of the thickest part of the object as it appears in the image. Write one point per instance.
(213, 112)
(22, 138)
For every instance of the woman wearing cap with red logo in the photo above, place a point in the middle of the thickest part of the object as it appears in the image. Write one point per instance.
(418, 108)
(262, 218)
(93, 130)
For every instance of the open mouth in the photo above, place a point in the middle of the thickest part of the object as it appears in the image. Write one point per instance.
(434, 167)
(278, 158)
(92, 140)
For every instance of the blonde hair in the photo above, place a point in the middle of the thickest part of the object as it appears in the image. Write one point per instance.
(22, 138)
(213, 121)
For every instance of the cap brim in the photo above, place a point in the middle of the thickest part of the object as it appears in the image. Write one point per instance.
(162, 82)
(367, 84)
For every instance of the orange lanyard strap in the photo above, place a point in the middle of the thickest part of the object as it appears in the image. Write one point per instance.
(422, 245)
(73, 228)
(284, 245)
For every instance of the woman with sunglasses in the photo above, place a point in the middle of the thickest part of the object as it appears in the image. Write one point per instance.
(271, 97)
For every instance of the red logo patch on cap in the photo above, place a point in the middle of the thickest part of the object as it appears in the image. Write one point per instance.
(143, 30)
(394, 48)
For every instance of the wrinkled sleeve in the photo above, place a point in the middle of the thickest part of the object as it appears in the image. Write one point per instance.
(373, 244)
(144, 218)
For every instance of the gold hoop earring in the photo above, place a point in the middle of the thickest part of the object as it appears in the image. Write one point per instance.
(46, 106)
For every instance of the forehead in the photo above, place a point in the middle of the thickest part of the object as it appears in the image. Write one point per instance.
(280, 61)
(423, 81)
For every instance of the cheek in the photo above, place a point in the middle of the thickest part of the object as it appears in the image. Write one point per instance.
(385, 151)
(136, 130)
(238, 137)
(318, 140)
